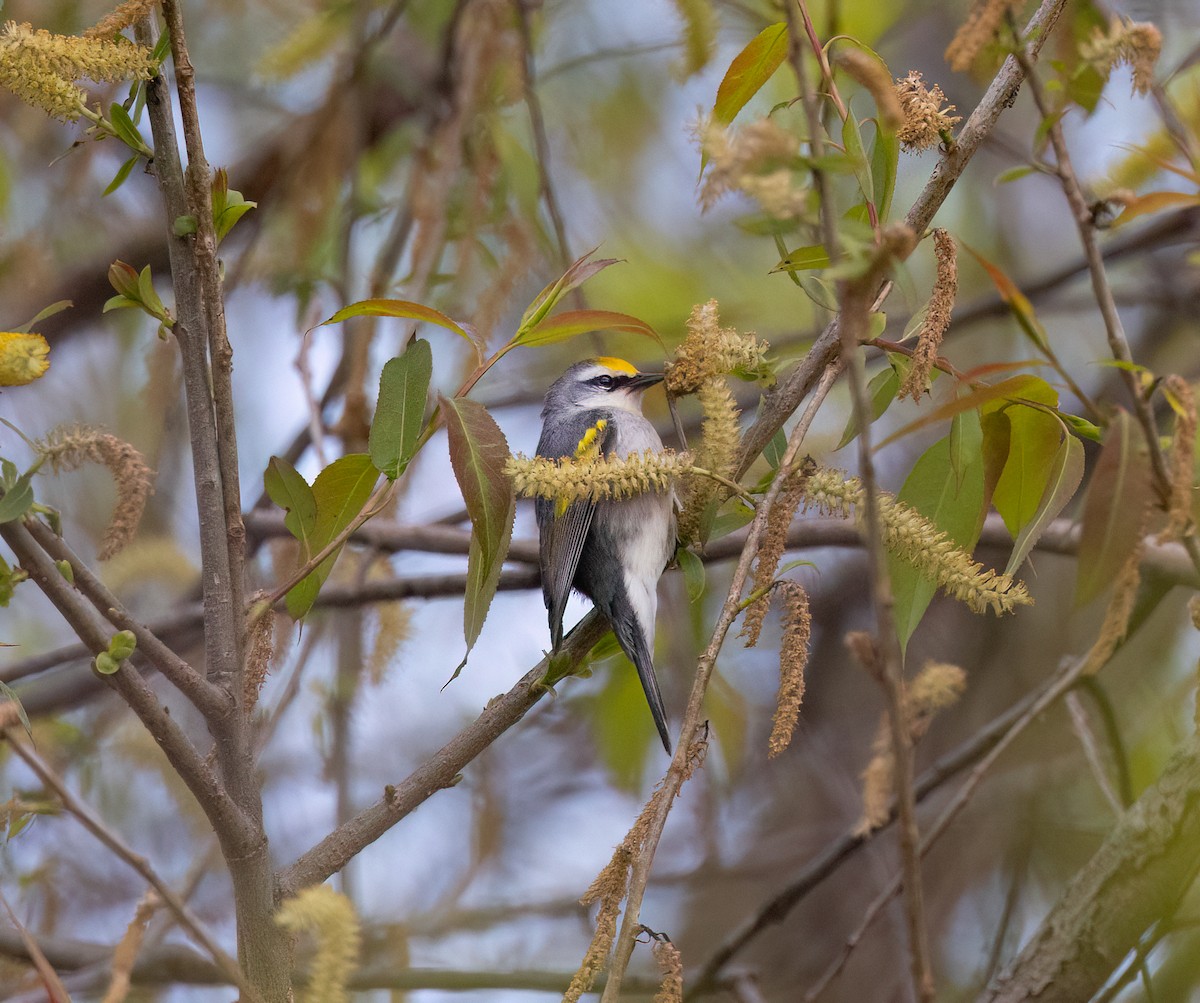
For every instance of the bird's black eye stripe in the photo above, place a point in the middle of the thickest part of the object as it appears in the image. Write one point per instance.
(606, 382)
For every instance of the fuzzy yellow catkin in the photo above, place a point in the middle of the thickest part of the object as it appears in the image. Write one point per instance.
(719, 434)
(709, 350)
(595, 478)
(913, 538)
(1117, 613)
(770, 551)
(1135, 43)
(980, 29)
(926, 114)
(937, 316)
(873, 74)
(1183, 460)
(670, 963)
(937, 686)
(756, 159)
(69, 447)
(23, 357)
(127, 950)
(260, 650)
(123, 16)
(330, 916)
(793, 660)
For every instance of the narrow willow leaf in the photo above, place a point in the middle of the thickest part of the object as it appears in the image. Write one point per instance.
(478, 451)
(1013, 388)
(400, 412)
(58, 306)
(750, 69)
(881, 391)
(340, 492)
(120, 177)
(802, 259)
(1066, 471)
(885, 162)
(1022, 309)
(400, 308)
(820, 291)
(1143, 205)
(291, 492)
(857, 155)
(582, 269)
(1114, 510)
(693, 574)
(568, 324)
(951, 502)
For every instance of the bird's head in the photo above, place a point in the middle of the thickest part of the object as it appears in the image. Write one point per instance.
(603, 382)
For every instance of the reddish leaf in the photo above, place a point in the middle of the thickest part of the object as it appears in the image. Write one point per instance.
(1017, 301)
(1011, 389)
(577, 274)
(750, 69)
(403, 309)
(1115, 509)
(1143, 205)
(569, 323)
(478, 452)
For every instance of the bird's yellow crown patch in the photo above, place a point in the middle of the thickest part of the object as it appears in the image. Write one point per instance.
(620, 365)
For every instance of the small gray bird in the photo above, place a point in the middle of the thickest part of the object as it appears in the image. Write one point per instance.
(611, 551)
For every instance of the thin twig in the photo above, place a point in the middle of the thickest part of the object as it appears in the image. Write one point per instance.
(694, 715)
(1114, 329)
(92, 822)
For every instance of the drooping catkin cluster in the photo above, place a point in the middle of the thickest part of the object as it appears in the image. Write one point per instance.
(709, 350)
(759, 160)
(937, 316)
(260, 650)
(123, 16)
(330, 917)
(1135, 43)
(41, 67)
(612, 883)
(1117, 613)
(873, 74)
(935, 687)
(670, 963)
(596, 478)
(127, 950)
(980, 29)
(1183, 459)
(699, 36)
(770, 550)
(719, 434)
(71, 446)
(913, 538)
(926, 114)
(793, 660)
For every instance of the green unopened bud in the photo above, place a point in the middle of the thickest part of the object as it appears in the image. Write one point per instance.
(65, 569)
(106, 665)
(122, 645)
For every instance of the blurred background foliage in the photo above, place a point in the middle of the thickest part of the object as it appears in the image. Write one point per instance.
(460, 154)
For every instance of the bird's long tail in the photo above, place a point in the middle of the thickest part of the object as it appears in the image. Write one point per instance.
(633, 643)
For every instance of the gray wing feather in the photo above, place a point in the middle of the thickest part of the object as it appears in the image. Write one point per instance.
(562, 538)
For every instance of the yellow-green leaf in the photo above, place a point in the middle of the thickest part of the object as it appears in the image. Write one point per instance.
(750, 69)
(569, 323)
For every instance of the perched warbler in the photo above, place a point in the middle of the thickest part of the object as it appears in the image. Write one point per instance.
(612, 551)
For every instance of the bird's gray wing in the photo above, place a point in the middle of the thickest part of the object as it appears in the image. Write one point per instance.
(563, 531)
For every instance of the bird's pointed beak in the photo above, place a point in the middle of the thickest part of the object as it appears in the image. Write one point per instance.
(643, 380)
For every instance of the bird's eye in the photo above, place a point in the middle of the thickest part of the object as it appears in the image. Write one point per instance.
(605, 382)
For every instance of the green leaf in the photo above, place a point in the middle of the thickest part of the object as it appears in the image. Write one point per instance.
(1034, 437)
(1114, 509)
(544, 302)
(693, 574)
(820, 291)
(9, 693)
(17, 498)
(149, 296)
(399, 308)
(400, 412)
(1066, 471)
(184, 226)
(750, 69)
(58, 306)
(774, 450)
(569, 323)
(478, 452)
(885, 161)
(290, 492)
(120, 177)
(857, 155)
(126, 131)
(340, 492)
(10, 578)
(119, 303)
(803, 259)
(882, 391)
(1015, 174)
(951, 501)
